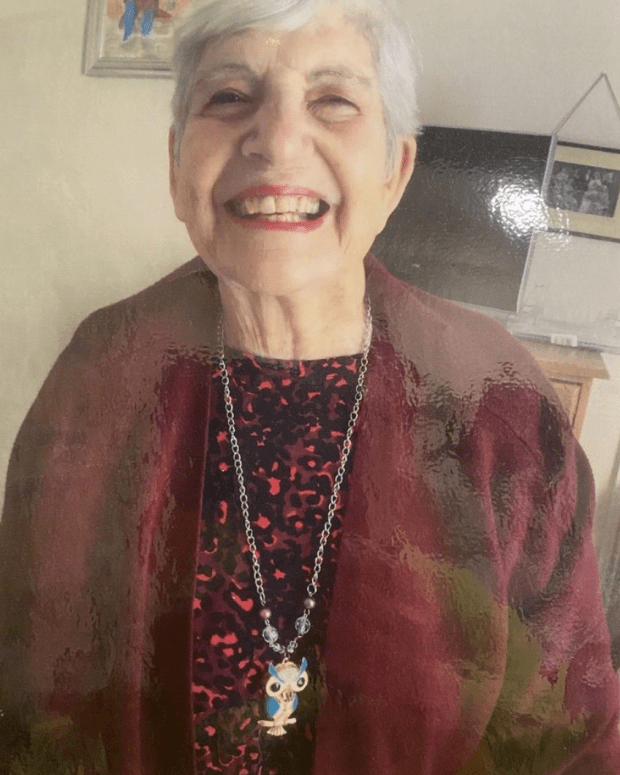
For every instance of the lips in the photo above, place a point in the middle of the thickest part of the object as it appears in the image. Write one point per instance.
(280, 207)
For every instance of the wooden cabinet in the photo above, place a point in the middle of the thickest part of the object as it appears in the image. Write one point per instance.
(571, 371)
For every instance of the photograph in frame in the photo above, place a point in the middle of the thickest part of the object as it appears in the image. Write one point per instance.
(583, 191)
(130, 38)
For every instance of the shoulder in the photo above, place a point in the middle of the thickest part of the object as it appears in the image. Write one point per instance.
(120, 354)
(467, 365)
(181, 309)
(443, 337)
(447, 342)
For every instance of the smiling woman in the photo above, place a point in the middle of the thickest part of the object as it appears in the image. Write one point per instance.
(277, 121)
(281, 513)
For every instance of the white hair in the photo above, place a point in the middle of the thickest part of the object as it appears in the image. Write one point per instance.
(396, 56)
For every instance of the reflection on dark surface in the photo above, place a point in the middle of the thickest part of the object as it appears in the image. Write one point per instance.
(463, 227)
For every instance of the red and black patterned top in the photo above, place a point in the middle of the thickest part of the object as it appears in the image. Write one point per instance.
(291, 418)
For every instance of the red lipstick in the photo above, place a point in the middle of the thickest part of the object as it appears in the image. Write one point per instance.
(275, 191)
(293, 226)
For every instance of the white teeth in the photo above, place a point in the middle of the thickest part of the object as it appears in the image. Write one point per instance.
(283, 204)
(250, 206)
(269, 205)
(284, 217)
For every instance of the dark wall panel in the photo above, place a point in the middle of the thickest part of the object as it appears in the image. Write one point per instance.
(463, 228)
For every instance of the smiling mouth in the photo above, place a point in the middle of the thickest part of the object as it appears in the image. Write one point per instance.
(270, 209)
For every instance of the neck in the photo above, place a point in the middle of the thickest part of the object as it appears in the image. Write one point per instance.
(315, 322)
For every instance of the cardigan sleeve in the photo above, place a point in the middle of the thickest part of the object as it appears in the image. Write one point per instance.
(558, 708)
(97, 547)
(47, 542)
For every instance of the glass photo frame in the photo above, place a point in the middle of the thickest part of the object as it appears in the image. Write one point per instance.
(583, 191)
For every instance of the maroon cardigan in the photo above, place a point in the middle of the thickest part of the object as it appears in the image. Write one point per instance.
(466, 618)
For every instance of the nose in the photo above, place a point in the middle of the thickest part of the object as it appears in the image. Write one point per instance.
(278, 135)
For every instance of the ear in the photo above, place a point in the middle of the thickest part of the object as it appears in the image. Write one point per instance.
(404, 162)
(179, 200)
(274, 672)
(172, 163)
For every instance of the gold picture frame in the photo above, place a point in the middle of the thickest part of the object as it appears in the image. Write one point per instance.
(130, 38)
(583, 191)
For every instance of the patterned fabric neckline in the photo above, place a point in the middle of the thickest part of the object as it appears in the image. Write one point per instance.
(293, 367)
(291, 417)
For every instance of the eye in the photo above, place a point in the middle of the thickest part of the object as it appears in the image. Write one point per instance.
(227, 103)
(226, 97)
(334, 107)
(334, 99)
(275, 686)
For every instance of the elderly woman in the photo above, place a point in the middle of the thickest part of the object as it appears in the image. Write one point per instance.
(281, 513)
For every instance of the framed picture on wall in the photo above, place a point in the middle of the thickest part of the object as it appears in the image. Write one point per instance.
(583, 191)
(130, 37)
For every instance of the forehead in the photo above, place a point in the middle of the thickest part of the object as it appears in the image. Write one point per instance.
(328, 44)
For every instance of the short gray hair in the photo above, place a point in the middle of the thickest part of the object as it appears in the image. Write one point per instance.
(396, 56)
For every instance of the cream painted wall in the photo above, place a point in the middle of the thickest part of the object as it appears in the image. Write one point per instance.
(601, 440)
(84, 211)
(514, 65)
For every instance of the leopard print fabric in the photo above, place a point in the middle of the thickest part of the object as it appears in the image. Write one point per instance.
(291, 417)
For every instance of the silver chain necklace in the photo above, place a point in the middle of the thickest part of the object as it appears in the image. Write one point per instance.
(287, 679)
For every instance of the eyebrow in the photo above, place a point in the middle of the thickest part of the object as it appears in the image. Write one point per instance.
(339, 72)
(229, 68)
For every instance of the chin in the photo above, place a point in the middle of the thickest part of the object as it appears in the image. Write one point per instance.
(276, 273)
(277, 283)
(283, 278)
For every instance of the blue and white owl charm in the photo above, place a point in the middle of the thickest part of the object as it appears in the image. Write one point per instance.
(282, 688)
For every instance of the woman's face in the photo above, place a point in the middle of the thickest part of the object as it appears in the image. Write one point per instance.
(281, 179)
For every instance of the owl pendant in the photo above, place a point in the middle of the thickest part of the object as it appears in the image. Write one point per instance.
(285, 681)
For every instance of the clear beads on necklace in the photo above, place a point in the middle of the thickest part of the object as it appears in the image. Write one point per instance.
(302, 625)
(270, 635)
